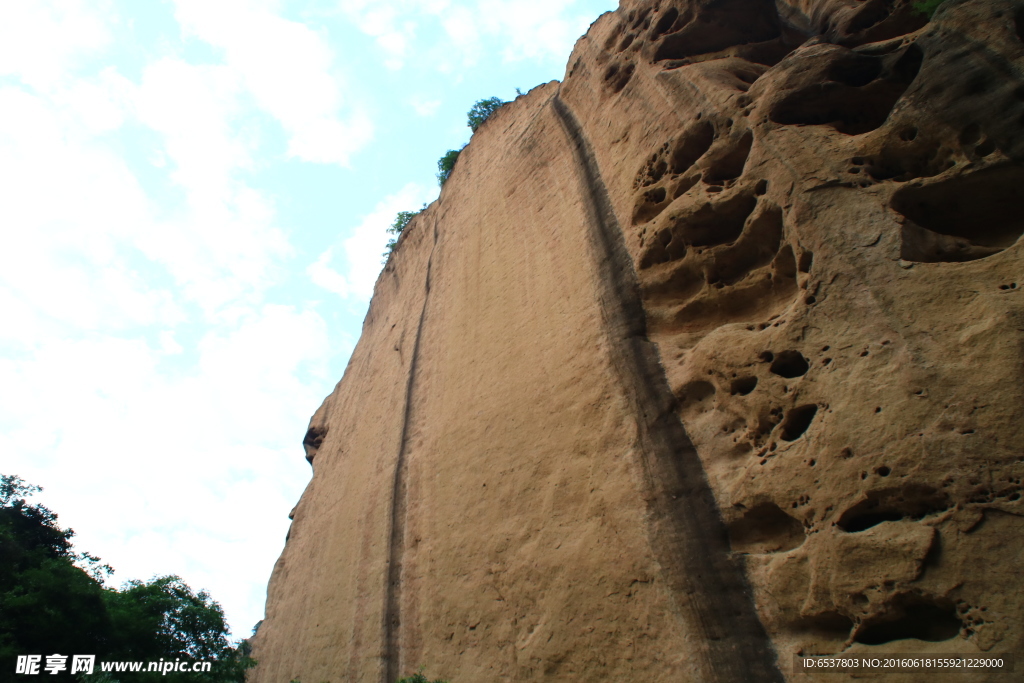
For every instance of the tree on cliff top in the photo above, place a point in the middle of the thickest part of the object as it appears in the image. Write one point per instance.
(446, 163)
(482, 110)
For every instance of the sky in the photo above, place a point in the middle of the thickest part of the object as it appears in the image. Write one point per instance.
(194, 197)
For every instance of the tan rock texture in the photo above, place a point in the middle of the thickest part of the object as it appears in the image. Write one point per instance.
(707, 356)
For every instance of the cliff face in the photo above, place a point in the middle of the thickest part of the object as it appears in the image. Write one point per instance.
(706, 356)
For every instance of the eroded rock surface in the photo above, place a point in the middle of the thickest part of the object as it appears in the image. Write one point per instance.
(707, 356)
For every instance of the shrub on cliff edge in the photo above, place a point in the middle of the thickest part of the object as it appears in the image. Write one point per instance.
(482, 111)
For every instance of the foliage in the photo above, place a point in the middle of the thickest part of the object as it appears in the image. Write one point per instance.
(418, 677)
(401, 220)
(481, 111)
(49, 604)
(446, 163)
(926, 7)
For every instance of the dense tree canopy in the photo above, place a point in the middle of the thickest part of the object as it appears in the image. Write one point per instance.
(53, 601)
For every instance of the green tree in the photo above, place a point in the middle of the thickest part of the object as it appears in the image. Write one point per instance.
(396, 229)
(42, 592)
(51, 605)
(446, 163)
(482, 110)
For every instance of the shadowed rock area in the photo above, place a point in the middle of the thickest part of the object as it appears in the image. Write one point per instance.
(707, 356)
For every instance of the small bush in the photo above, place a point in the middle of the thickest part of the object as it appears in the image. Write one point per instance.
(401, 220)
(418, 677)
(445, 165)
(482, 110)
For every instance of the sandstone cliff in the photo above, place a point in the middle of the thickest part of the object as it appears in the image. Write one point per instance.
(706, 356)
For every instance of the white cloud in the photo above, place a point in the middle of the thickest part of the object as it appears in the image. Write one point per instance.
(539, 30)
(40, 40)
(289, 70)
(423, 106)
(355, 278)
(145, 379)
(197, 465)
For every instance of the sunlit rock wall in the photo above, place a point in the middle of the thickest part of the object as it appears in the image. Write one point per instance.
(708, 356)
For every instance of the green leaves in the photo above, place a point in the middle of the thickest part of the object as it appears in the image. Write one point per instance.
(52, 600)
(482, 110)
(926, 7)
(418, 677)
(446, 163)
(401, 220)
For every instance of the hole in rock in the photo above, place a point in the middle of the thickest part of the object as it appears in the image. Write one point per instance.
(729, 165)
(857, 99)
(790, 364)
(932, 620)
(963, 218)
(716, 28)
(766, 356)
(696, 392)
(641, 16)
(797, 421)
(312, 441)
(806, 258)
(873, 13)
(626, 42)
(649, 205)
(716, 223)
(908, 134)
(765, 528)
(665, 23)
(1019, 21)
(883, 471)
(892, 505)
(691, 146)
(761, 188)
(743, 386)
(985, 148)
(610, 42)
(616, 77)
(856, 71)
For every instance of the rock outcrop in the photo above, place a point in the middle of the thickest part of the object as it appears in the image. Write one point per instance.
(708, 356)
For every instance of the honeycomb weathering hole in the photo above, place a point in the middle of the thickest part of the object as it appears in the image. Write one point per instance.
(797, 421)
(729, 165)
(857, 96)
(743, 386)
(790, 364)
(715, 28)
(913, 617)
(892, 505)
(691, 146)
(616, 77)
(765, 528)
(964, 218)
